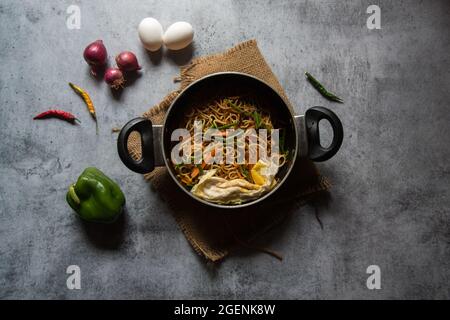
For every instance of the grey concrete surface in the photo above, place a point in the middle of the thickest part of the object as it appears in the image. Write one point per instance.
(389, 203)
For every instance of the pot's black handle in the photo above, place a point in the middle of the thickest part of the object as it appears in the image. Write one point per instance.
(146, 163)
(312, 118)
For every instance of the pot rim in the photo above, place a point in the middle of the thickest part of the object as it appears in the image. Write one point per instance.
(245, 204)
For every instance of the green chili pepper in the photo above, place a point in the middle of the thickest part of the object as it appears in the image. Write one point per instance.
(324, 92)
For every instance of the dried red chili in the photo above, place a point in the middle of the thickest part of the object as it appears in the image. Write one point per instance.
(60, 114)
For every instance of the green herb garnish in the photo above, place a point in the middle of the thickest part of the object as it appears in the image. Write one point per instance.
(226, 126)
(245, 173)
(257, 117)
(178, 166)
(237, 108)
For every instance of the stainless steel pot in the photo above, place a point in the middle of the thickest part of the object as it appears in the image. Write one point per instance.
(302, 135)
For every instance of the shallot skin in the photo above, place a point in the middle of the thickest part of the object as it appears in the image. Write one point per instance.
(127, 61)
(114, 77)
(95, 55)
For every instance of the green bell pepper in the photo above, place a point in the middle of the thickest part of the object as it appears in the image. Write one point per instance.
(95, 197)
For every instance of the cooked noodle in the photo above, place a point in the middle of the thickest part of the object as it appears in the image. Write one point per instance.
(222, 114)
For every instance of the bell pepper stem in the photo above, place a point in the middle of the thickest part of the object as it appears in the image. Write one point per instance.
(73, 194)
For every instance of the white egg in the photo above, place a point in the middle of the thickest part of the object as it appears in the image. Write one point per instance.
(178, 36)
(151, 34)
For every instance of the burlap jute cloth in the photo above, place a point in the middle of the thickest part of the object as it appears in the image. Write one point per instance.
(212, 232)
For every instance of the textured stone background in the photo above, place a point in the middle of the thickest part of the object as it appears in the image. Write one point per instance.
(391, 197)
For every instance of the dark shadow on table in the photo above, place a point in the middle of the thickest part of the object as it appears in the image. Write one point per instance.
(154, 57)
(181, 57)
(320, 202)
(131, 78)
(107, 236)
(117, 93)
(217, 232)
(100, 73)
(264, 242)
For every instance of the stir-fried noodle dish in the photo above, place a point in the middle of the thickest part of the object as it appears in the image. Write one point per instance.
(230, 152)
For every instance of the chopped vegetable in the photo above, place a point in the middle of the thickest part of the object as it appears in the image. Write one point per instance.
(209, 156)
(255, 115)
(237, 108)
(227, 126)
(257, 118)
(222, 133)
(178, 166)
(324, 92)
(195, 172)
(245, 173)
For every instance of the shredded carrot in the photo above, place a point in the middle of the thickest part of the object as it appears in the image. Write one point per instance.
(195, 172)
(209, 156)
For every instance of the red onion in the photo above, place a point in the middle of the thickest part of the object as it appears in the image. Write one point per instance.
(127, 61)
(114, 77)
(95, 55)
